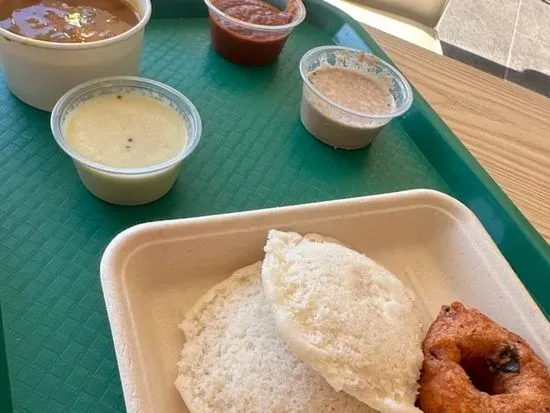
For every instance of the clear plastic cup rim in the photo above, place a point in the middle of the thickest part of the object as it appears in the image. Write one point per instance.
(143, 20)
(301, 15)
(194, 121)
(391, 70)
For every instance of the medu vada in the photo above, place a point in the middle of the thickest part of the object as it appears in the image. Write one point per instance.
(473, 365)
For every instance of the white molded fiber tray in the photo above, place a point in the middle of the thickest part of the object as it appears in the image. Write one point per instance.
(152, 273)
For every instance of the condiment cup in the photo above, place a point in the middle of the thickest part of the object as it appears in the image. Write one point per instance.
(127, 186)
(251, 44)
(335, 124)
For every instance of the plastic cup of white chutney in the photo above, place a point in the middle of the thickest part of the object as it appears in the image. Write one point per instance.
(127, 136)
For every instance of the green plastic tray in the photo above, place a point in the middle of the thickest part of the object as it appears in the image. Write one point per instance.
(5, 396)
(254, 154)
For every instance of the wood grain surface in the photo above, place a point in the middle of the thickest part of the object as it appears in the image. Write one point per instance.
(505, 126)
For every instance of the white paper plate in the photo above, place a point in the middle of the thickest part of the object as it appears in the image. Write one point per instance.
(152, 273)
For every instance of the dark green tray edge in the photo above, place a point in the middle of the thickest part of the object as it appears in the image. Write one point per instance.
(5, 393)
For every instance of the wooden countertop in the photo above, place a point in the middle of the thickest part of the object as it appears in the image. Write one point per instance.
(505, 126)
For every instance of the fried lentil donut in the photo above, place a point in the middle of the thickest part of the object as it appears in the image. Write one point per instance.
(472, 365)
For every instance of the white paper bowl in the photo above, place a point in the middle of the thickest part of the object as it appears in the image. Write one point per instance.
(40, 72)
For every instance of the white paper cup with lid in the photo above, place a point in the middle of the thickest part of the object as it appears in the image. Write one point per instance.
(340, 126)
(39, 72)
(121, 185)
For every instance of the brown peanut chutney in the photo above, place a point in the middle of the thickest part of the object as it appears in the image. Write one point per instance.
(247, 46)
(68, 21)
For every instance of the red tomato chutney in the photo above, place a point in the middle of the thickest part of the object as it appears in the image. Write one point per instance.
(250, 46)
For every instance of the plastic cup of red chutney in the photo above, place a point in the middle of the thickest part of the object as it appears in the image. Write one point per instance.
(252, 32)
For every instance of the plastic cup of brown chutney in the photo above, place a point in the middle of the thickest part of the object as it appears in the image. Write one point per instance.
(252, 32)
